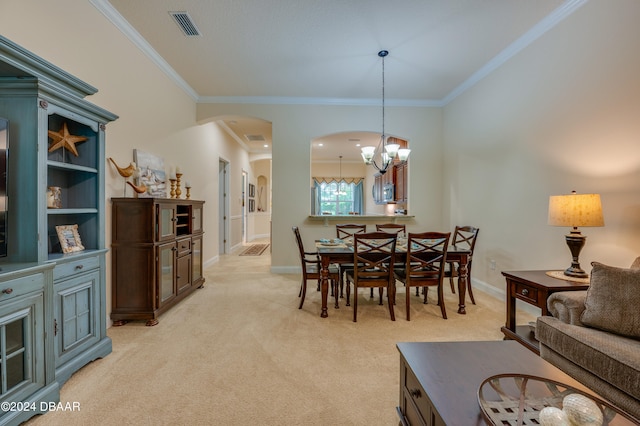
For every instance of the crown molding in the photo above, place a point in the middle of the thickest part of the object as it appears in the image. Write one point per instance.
(125, 27)
(550, 21)
(283, 100)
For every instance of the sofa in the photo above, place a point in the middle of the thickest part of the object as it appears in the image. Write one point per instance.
(594, 335)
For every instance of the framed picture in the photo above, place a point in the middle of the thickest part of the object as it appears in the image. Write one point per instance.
(252, 190)
(69, 238)
(151, 174)
(252, 205)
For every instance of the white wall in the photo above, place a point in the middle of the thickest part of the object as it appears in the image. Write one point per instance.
(295, 126)
(154, 114)
(561, 115)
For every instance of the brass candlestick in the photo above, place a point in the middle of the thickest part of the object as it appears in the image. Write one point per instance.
(173, 188)
(178, 190)
(188, 192)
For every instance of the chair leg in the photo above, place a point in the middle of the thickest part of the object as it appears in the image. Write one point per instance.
(334, 285)
(453, 288)
(348, 293)
(470, 291)
(381, 291)
(408, 303)
(371, 293)
(355, 303)
(441, 301)
(391, 292)
(425, 291)
(303, 292)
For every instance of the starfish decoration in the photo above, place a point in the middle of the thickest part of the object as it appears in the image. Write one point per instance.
(63, 139)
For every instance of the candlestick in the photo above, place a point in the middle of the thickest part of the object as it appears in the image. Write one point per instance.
(188, 193)
(178, 190)
(173, 188)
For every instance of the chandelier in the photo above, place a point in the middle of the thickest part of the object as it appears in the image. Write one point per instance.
(339, 190)
(384, 152)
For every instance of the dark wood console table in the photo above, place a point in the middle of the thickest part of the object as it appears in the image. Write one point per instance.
(532, 287)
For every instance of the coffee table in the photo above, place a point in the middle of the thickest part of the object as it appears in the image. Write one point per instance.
(439, 381)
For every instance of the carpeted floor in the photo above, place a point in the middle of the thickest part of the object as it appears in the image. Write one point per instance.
(239, 352)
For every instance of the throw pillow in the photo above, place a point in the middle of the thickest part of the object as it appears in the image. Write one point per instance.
(613, 299)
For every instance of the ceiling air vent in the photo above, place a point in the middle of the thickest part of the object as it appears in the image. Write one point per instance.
(254, 138)
(185, 23)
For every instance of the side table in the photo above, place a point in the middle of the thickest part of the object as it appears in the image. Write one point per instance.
(532, 287)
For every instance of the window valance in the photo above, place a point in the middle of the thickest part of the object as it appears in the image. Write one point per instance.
(355, 180)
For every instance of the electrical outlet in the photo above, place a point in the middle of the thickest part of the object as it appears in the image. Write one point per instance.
(492, 265)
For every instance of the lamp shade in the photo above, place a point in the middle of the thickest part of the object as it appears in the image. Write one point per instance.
(575, 210)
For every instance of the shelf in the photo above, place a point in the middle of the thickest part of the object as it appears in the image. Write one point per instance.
(71, 211)
(71, 167)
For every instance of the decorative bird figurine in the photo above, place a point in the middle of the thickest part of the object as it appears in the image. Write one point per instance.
(126, 171)
(140, 189)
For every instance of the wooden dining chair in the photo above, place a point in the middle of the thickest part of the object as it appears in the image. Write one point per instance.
(346, 231)
(463, 237)
(425, 266)
(373, 256)
(392, 228)
(310, 262)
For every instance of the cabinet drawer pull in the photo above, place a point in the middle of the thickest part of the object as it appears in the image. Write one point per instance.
(7, 291)
(415, 393)
(79, 267)
(525, 292)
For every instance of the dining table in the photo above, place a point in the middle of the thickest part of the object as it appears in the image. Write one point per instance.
(332, 251)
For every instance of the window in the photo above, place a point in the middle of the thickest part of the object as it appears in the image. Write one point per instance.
(338, 197)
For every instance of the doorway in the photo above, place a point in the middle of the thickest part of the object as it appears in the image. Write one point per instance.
(245, 219)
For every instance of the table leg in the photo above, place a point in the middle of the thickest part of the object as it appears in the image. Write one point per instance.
(324, 285)
(462, 283)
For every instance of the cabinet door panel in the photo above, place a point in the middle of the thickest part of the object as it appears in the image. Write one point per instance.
(196, 259)
(76, 315)
(166, 222)
(183, 277)
(21, 325)
(166, 273)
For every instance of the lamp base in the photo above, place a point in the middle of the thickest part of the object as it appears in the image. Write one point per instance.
(575, 241)
(576, 272)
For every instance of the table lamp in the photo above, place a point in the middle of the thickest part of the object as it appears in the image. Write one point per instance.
(575, 210)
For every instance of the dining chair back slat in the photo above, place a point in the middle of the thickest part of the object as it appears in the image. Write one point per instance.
(392, 228)
(373, 256)
(463, 237)
(425, 265)
(345, 231)
(311, 270)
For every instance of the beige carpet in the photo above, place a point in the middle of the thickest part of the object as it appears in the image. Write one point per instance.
(239, 352)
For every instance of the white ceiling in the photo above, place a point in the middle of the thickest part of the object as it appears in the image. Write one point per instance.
(325, 52)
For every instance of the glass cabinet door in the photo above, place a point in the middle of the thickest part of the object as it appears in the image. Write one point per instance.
(196, 258)
(14, 352)
(166, 272)
(166, 222)
(196, 218)
(21, 362)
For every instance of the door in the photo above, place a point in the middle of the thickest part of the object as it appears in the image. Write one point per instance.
(223, 206)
